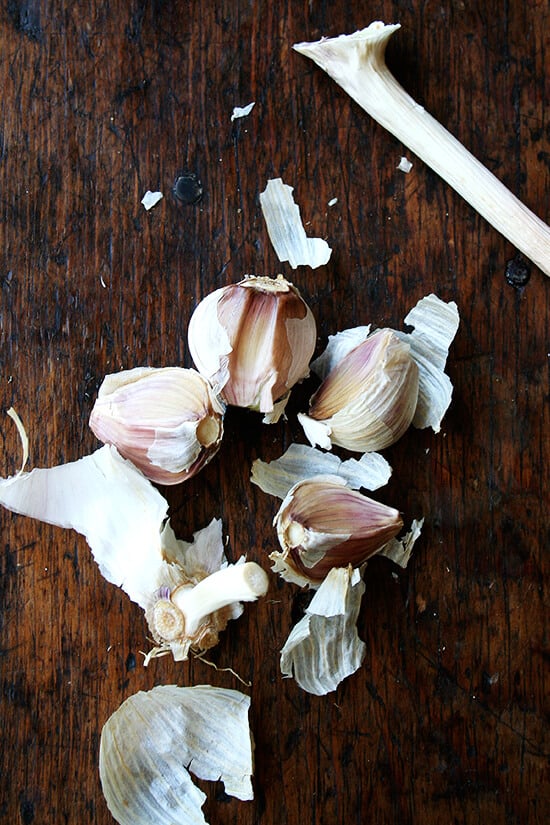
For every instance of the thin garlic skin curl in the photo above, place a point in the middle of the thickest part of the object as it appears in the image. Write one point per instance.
(322, 523)
(167, 421)
(253, 341)
(368, 400)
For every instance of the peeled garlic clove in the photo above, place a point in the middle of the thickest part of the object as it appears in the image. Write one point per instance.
(368, 400)
(322, 524)
(253, 341)
(149, 745)
(167, 421)
(324, 648)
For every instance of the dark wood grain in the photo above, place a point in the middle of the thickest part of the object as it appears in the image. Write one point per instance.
(446, 721)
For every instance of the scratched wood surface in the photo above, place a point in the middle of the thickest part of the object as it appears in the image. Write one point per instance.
(445, 722)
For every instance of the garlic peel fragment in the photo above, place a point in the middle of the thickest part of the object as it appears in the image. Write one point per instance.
(357, 63)
(149, 745)
(242, 111)
(110, 502)
(435, 325)
(22, 435)
(151, 199)
(324, 648)
(399, 550)
(286, 230)
(301, 462)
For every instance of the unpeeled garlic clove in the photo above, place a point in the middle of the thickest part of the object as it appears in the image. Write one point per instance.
(322, 523)
(253, 341)
(368, 400)
(167, 421)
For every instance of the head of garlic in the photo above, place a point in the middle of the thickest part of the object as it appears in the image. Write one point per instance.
(322, 523)
(253, 341)
(167, 421)
(368, 399)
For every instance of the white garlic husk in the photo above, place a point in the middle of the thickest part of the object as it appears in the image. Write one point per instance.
(123, 517)
(167, 421)
(253, 341)
(368, 400)
(324, 648)
(322, 523)
(286, 230)
(154, 740)
(376, 384)
(300, 462)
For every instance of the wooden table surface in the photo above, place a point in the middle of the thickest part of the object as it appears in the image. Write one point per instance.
(445, 721)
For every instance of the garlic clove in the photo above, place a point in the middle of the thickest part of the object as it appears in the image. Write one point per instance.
(324, 648)
(149, 746)
(167, 421)
(253, 341)
(322, 523)
(368, 400)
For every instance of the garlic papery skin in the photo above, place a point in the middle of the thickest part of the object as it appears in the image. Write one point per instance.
(167, 421)
(192, 614)
(435, 325)
(301, 462)
(368, 400)
(154, 740)
(357, 63)
(253, 341)
(324, 648)
(108, 500)
(322, 523)
(123, 517)
(286, 230)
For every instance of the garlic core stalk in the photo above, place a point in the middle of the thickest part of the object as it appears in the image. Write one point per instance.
(356, 62)
(244, 582)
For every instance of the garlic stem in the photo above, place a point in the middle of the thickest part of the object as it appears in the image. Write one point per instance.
(234, 583)
(357, 63)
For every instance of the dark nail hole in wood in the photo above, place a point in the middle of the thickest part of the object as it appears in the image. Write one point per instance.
(187, 188)
(517, 272)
